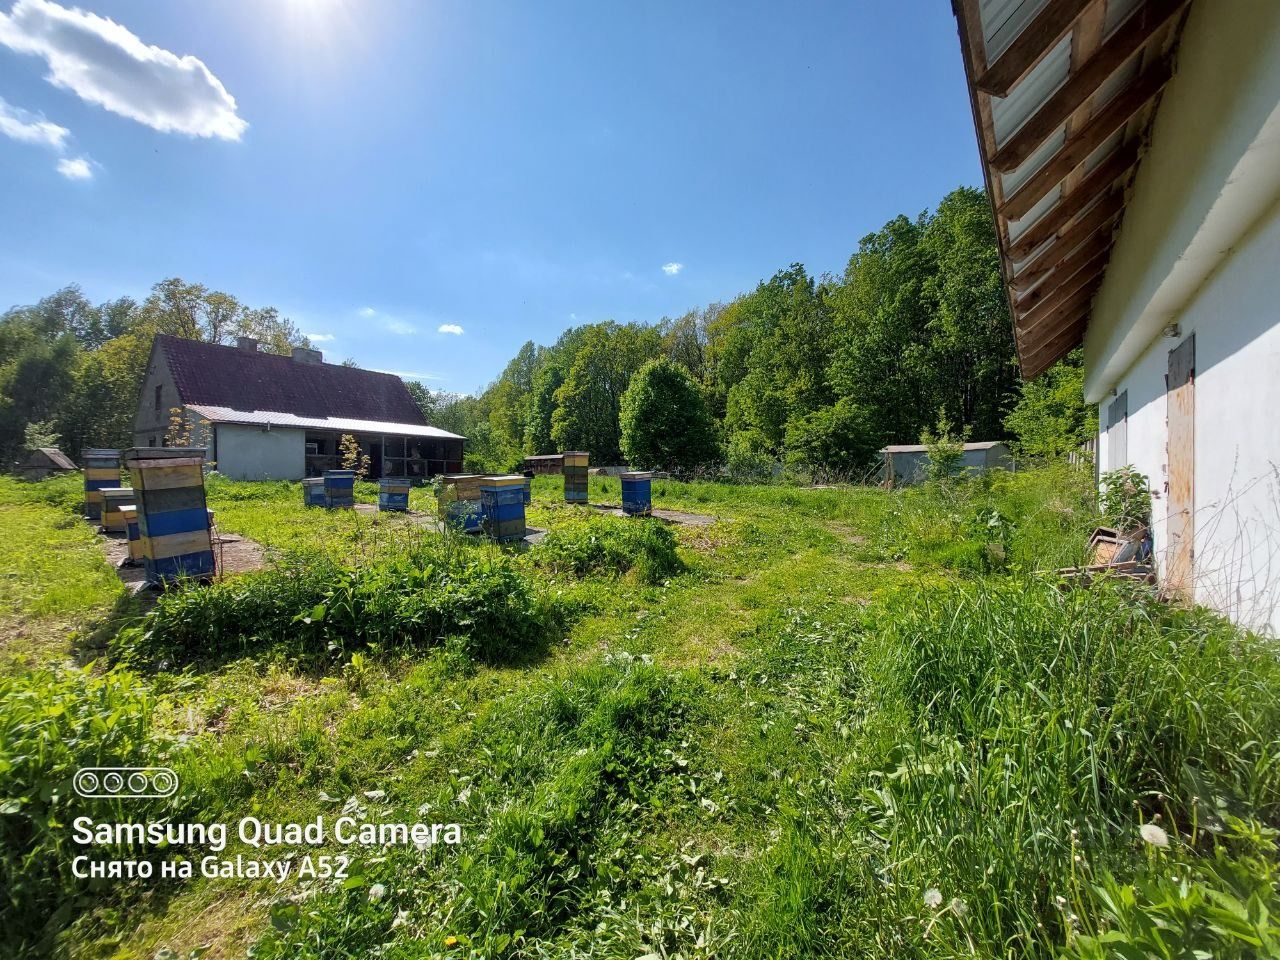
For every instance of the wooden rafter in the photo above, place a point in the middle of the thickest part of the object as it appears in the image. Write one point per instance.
(1041, 286)
(1095, 183)
(1123, 43)
(1030, 46)
(1101, 126)
(1095, 218)
(1072, 292)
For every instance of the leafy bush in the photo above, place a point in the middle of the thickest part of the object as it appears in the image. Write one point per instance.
(664, 420)
(321, 609)
(52, 723)
(1126, 499)
(610, 545)
(1051, 418)
(747, 460)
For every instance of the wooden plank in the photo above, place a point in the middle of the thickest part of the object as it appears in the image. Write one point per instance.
(1056, 272)
(1076, 292)
(1030, 46)
(1095, 184)
(1179, 568)
(1076, 150)
(1095, 218)
(167, 477)
(1046, 353)
(1123, 43)
(175, 544)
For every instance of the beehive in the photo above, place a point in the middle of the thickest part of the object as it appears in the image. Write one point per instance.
(637, 494)
(393, 494)
(502, 499)
(130, 513)
(313, 492)
(575, 476)
(459, 501)
(339, 488)
(173, 517)
(113, 498)
(528, 488)
(101, 469)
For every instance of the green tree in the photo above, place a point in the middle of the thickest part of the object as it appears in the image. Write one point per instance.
(665, 421)
(541, 410)
(589, 401)
(1051, 418)
(835, 442)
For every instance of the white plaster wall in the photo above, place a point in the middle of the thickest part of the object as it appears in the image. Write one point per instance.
(1236, 319)
(254, 453)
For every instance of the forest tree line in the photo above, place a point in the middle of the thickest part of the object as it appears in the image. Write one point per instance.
(814, 372)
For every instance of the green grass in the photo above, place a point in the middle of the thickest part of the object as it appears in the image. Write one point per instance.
(828, 706)
(53, 576)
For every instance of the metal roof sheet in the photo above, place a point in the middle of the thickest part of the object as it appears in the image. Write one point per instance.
(921, 448)
(272, 418)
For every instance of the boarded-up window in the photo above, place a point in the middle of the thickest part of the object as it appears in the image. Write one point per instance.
(1118, 432)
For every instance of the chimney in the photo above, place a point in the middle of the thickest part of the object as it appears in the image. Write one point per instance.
(247, 343)
(303, 355)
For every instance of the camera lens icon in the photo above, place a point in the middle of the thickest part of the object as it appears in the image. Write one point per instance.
(125, 783)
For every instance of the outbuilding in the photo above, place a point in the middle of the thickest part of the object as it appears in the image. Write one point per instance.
(1132, 152)
(908, 463)
(44, 462)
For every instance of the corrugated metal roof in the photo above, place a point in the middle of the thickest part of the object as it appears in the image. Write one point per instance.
(264, 418)
(1063, 93)
(921, 448)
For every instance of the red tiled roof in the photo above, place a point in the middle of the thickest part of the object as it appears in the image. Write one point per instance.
(208, 373)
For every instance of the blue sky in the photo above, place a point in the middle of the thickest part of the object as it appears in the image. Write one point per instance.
(380, 169)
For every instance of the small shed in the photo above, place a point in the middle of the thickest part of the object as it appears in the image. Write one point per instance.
(551, 463)
(44, 462)
(908, 463)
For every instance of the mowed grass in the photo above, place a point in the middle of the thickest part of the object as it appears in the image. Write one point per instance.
(848, 723)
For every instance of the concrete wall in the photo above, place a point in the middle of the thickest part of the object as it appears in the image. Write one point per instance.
(1236, 322)
(1199, 253)
(255, 453)
(913, 467)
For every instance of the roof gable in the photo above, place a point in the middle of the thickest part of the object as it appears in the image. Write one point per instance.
(215, 375)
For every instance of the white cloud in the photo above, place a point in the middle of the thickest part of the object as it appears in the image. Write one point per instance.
(450, 328)
(671, 269)
(399, 327)
(104, 63)
(79, 168)
(366, 311)
(18, 124)
(319, 337)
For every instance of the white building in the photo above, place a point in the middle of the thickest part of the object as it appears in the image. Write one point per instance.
(1132, 150)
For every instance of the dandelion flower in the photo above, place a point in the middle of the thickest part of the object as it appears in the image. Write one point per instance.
(1154, 835)
(933, 898)
(450, 941)
(959, 907)
(377, 892)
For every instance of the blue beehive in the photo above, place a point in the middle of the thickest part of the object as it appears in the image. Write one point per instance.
(502, 499)
(393, 494)
(339, 488)
(637, 494)
(313, 492)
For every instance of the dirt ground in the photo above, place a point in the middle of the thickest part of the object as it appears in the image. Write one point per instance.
(669, 516)
(234, 554)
